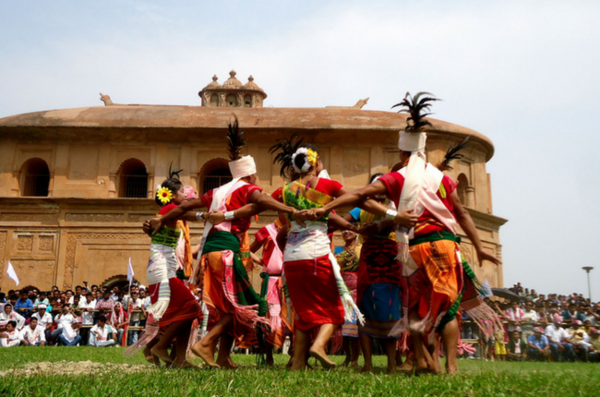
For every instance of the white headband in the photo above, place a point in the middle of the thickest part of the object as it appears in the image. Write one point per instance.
(242, 167)
(412, 141)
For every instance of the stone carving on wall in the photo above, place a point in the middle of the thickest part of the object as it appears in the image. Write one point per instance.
(83, 217)
(46, 243)
(24, 243)
(24, 217)
(2, 253)
(70, 264)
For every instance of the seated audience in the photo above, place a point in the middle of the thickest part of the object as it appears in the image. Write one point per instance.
(33, 333)
(558, 338)
(11, 337)
(516, 348)
(70, 334)
(538, 348)
(10, 315)
(102, 334)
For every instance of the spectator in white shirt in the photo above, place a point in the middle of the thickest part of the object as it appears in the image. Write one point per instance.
(70, 334)
(63, 319)
(135, 319)
(558, 339)
(12, 336)
(86, 307)
(101, 334)
(529, 320)
(10, 315)
(44, 320)
(33, 334)
(515, 314)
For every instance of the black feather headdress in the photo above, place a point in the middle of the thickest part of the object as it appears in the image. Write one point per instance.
(235, 141)
(173, 174)
(452, 154)
(418, 108)
(286, 148)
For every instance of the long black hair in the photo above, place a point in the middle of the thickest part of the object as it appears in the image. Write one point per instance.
(172, 183)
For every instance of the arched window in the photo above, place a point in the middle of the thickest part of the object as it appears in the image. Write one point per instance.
(214, 173)
(463, 184)
(247, 101)
(133, 179)
(214, 100)
(232, 100)
(35, 178)
(216, 178)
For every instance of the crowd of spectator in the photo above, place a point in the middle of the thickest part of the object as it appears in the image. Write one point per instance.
(86, 316)
(538, 328)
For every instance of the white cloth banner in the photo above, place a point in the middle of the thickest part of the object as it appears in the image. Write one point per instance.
(130, 273)
(10, 271)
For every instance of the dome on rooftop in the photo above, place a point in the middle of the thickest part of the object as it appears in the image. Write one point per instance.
(252, 85)
(213, 84)
(232, 82)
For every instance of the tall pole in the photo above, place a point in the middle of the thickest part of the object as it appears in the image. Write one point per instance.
(587, 270)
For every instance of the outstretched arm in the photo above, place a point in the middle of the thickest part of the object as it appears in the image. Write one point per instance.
(468, 226)
(360, 197)
(336, 222)
(216, 217)
(180, 212)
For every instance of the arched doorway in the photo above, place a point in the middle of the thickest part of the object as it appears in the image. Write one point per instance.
(214, 173)
(35, 178)
(118, 280)
(133, 179)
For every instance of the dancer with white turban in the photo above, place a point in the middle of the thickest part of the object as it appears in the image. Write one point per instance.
(235, 307)
(433, 267)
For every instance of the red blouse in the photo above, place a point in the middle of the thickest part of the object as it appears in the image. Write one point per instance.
(237, 200)
(427, 223)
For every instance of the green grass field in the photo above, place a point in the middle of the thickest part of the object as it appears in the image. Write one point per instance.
(477, 378)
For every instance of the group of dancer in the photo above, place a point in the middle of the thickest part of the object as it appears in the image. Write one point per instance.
(405, 286)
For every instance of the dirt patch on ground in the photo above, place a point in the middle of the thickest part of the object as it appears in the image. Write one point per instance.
(74, 368)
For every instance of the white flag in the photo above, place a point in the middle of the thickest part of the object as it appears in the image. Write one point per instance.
(130, 273)
(11, 273)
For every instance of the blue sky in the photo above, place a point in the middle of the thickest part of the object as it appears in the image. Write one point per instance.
(523, 73)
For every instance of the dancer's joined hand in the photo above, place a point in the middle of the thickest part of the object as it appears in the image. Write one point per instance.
(301, 216)
(155, 225)
(318, 213)
(407, 218)
(215, 217)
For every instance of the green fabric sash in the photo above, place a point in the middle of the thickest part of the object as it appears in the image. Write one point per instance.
(220, 240)
(435, 236)
(468, 277)
(302, 198)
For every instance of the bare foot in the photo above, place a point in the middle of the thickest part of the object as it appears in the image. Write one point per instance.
(391, 370)
(451, 370)
(408, 366)
(346, 362)
(289, 363)
(227, 363)
(163, 354)
(354, 363)
(366, 369)
(184, 365)
(270, 362)
(204, 353)
(321, 356)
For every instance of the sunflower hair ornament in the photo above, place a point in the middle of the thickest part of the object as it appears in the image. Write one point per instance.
(310, 161)
(164, 195)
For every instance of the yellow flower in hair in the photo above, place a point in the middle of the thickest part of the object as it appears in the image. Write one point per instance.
(164, 195)
(311, 156)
